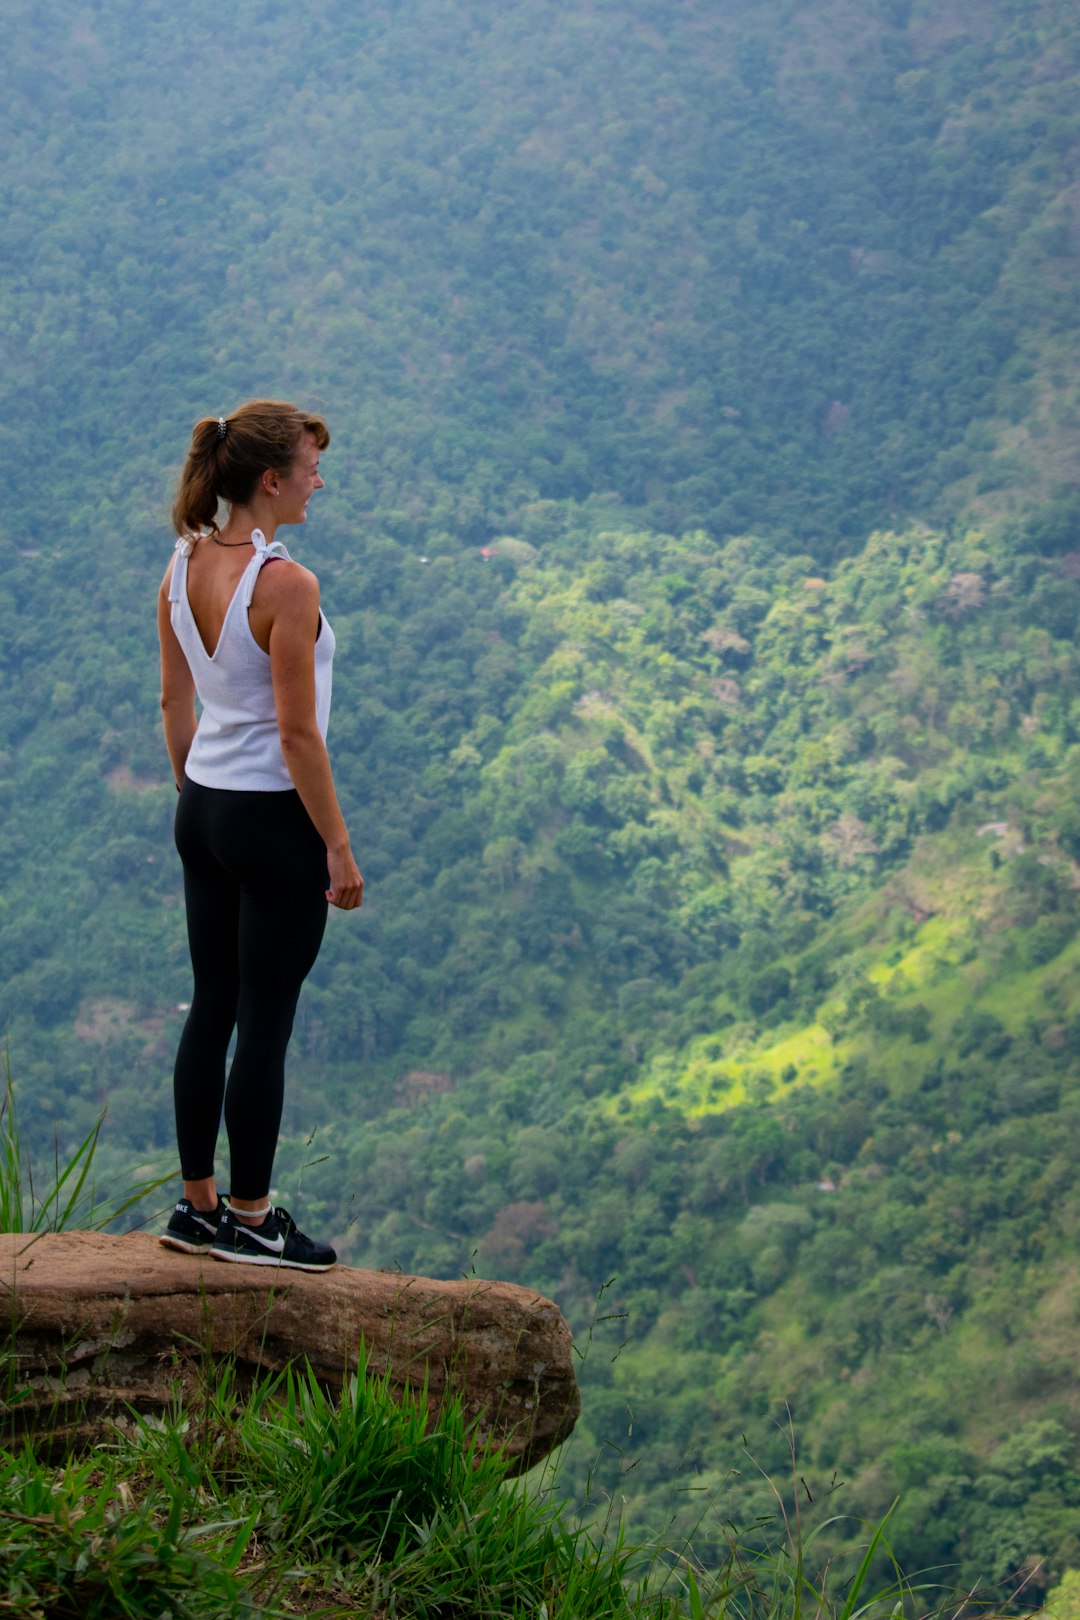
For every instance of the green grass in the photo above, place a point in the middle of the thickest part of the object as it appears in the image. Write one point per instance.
(70, 1195)
(78, 1541)
(936, 946)
(286, 1501)
(942, 966)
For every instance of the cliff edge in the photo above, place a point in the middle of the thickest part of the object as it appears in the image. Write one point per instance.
(101, 1325)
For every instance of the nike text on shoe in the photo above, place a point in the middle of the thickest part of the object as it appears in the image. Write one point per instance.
(190, 1229)
(276, 1242)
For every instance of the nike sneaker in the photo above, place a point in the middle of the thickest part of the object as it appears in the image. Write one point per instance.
(276, 1242)
(191, 1229)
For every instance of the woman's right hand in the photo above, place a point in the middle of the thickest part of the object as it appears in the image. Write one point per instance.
(346, 889)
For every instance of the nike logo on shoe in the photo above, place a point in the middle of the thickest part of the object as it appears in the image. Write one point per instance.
(272, 1245)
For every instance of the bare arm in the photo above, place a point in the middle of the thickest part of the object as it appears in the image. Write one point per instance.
(177, 688)
(291, 594)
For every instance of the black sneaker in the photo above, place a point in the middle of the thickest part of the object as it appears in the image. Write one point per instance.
(190, 1229)
(277, 1242)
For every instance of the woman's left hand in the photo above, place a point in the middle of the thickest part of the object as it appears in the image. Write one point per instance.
(346, 889)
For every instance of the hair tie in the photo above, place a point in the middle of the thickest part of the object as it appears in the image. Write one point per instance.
(221, 427)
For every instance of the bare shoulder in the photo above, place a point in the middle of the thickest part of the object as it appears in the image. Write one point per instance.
(284, 583)
(286, 594)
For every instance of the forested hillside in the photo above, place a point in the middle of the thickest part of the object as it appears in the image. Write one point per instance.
(795, 266)
(702, 540)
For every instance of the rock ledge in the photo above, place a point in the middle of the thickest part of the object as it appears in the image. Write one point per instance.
(102, 1324)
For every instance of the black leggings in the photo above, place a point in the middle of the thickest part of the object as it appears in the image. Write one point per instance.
(255, 884)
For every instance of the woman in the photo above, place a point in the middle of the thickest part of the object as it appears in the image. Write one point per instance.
(258, 827)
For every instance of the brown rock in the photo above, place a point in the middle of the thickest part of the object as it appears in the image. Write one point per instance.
(104, 1323)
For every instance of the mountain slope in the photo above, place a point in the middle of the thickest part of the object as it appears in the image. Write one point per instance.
(806, 268)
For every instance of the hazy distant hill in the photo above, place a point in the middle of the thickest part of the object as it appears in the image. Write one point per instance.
(702, 543)
(801, 266)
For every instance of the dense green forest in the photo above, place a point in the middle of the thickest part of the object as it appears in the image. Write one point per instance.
(702, 540)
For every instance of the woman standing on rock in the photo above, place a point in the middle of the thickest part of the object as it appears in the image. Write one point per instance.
(258, 827)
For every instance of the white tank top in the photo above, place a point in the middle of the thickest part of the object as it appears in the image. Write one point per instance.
(237, 744)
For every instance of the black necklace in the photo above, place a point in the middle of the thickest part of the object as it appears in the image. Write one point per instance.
(228, 543)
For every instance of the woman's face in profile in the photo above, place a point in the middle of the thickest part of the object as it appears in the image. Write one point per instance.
(298, 485)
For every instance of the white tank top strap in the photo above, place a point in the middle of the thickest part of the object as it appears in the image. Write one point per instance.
(182, 551)
(264, 551)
